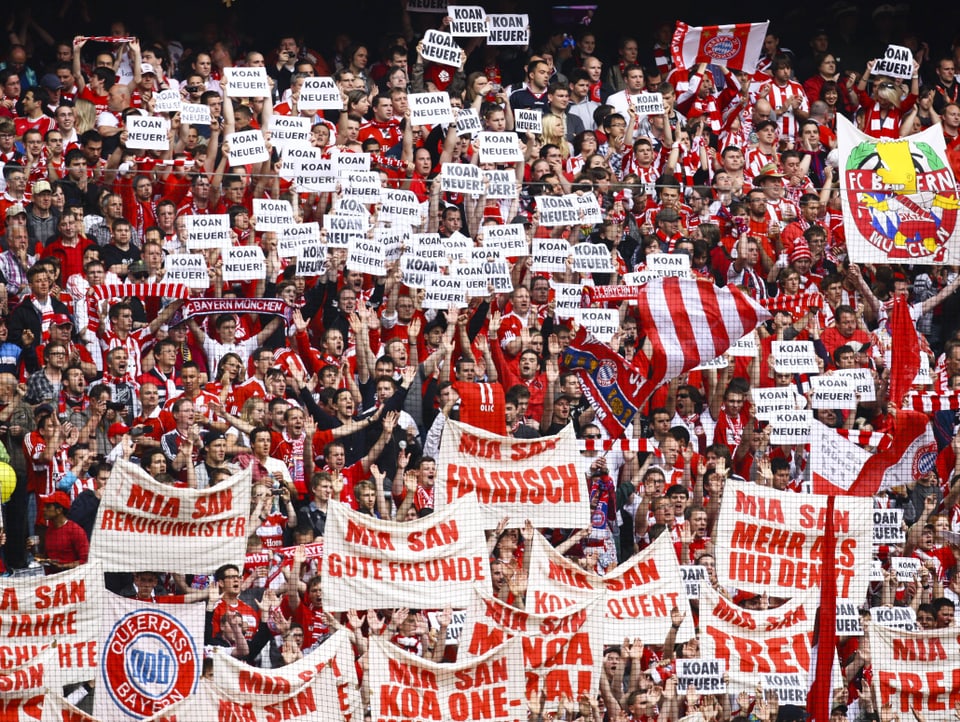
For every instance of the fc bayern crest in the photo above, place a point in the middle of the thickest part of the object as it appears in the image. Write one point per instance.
(606, 374)
(902, 199)
(150, 660)
(722, 47)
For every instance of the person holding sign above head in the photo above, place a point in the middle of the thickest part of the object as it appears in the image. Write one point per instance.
(883, 108)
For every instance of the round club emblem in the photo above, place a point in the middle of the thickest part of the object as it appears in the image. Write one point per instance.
(722, 47)
(606, 374)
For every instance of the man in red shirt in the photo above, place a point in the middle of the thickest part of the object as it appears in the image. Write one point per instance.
(228, 578)
(68, 247)
(384, 127)
(65, 545)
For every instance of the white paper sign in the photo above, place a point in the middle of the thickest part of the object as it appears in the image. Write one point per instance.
(897, 62)
(888, 526)
(550, 255)
(508, 29)
(592, 258)
(499, 148)
(557, 211)
(693, 576)
(243, 263)
(291, 238)
(468, 122)
(366, 255)
(528, 120)
(343, 230)
(319, 94)
(501, 184)
(190, 269)
(443, 292)
(791, 427)
(904, 618)
(272, 215)
(794, 357)
(833, 392)
(601, 322)
(848, 620)
(706, 675)
(568, 297)
(430, 108)
(312, 260)
(195, 114)
(167, 101)
(209, 231)
(147, 132)
(768, 401)
(249, 82)
(348, 162)
(467, 21)
(507, 240)
(441, 48)
(308, 169)
(363, 186)
(247, 146)
(648, 103)
(286, 130)
(461, 178)
(906, 568)
(862, 383)
(748, 346)
(790, 688)
(498, 274)
(589, 208)
(399, 206)
(668, 264)
(416, 272)
(427, 6)
(472, 279)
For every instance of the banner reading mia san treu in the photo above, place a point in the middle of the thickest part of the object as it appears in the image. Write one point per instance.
(143, 524)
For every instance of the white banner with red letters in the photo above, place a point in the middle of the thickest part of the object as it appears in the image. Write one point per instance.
(916, 671)
(143, 524)
(753, 642)
(771, 541)
(639, 595)
(24, 684)
(406, 687)
(151, 657)
(61, 609)
(562, 651)
(321, 685)
(429, 563)
(535, 479)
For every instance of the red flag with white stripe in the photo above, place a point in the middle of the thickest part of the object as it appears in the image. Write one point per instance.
(736, 46)
(690, 322)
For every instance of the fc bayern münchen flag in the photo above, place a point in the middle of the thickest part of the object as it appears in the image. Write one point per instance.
(899, 197)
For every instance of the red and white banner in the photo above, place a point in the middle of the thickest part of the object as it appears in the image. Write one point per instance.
(143, 524)
(322, 685)
(638, 595)
(899, 196)
(691, 322)
(736, 46)
(535, 479)
(140, 290)
(406, 687)
(840, 467)
(771, 542)
(754, 643)
(23, 686)
(275, 559)
(61, 609)
(916, 671)
(429, 563)
(151, 657)
(562, 651)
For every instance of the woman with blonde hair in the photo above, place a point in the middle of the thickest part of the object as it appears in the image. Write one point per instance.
(86, 115)
(884, 109)
(555, 132)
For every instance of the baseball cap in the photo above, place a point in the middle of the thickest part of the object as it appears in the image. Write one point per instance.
(51, 82)
(16, 210)
(61, 319)
(118, 429)
(147, 69)
(60, 498)
(41, 186)
(668, 215)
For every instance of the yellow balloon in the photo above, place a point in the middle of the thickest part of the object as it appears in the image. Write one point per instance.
(8, 482)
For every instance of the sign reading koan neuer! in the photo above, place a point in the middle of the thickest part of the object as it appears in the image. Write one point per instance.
(189, 531)
(208, 231)
(428, 563)
(535, 479)
(147, 133)
(772, 541)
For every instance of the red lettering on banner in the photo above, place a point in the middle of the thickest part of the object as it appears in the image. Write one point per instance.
(506, 617)
(788, 620)
(759, 507)
(784, 655)
(483, 674)
(734, 615)
(565, 575)
(479, 704)
(236, 711)
(156, 504)
(251, 681)
(642, 605)
(358, 534)
(43, 625)
(25, 678)
(440, 535)
(214, 504)
(482, 448)
(544, 603)
(408, 703)
(63, 593)
(641, 573)
(32, 707)
(812, 517)
(750, 568)
(362, 567)
(919, 650)
(564, 625)
(297, 706)
(15, 656)
(9, 600)
(83, 653)
(522, 450)
(410, 676)
(767, 540)
(557, 683)
(910, 686)
(540, 652)
(547, 485)
(485, 638)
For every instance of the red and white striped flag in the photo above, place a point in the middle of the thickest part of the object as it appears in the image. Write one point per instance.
(690, 322)
(736, 46)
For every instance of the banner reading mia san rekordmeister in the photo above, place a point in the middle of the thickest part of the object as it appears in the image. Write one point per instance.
(535, 479)
(143, 524)
(771, 542)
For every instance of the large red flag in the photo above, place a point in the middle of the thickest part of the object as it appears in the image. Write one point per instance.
(821, 691)
(905, 352)
(736, 46)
